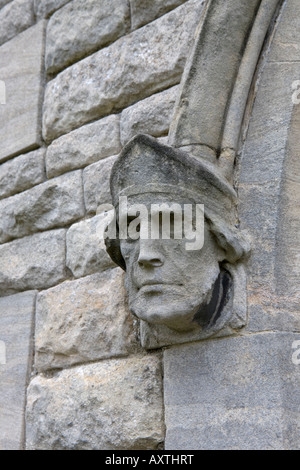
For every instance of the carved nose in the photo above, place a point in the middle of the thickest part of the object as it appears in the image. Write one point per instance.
(150, 257)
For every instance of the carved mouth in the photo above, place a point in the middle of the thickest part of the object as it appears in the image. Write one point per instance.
(157, 284)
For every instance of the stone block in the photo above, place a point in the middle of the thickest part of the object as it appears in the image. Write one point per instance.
(21, 70)
(16, 326)
(143, 11)
(57, 202)
(84, 146)
(150, 116)
(132, 68)
(233, 394)
(82, 321)
(35, 262)
(22, 173)
(96, 184)
(86, 252)
(113, 405)
(45, 8)
(95, 23)
(15, 18)
(285, 45)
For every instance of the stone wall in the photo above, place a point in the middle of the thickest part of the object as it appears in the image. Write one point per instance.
(82, 78)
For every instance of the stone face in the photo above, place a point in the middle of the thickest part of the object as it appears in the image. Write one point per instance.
(95, 23)
(44, 8)
(21, 173)
(143, 11)
(84, 146)
(134, 67)
(233, 393)
(96, 184)
(113, 405)
(82, 321)
(55, 203)
(35, 262)
(16, 325)
(15, 18)
(150, 116)
(86, 252)
(20, 69)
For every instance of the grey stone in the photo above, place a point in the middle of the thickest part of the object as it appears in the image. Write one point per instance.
(15, 18)
(35, 262)
(143, 11)
(58, 202)
(82, 321)
(285, 45)
(20, 69)
(22, 173)
(134, 67)
(84, 146)
(150, 116)
(233, 393)
(86, 252)
(16, 325)
(95, 23)
(113, 405)
(45, 8)
(4, 2)
(96, 184)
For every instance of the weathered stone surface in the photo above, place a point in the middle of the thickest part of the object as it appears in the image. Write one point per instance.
(86, 252)
(285, 45)
(35, 262)
(82, 321)
(22, 173)
(233, 393)
(20, 69)
(95, 23)
(58, 202)
(96, 184)
(15, 18)
(143, 11)
(150, 116)
(134, 67)
(84, 146)
(16, 325)
(4, 2)
(44, 8)
(111, 405)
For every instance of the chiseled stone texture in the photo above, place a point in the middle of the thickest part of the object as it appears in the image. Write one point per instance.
(96, 184)
(22, 173)
(132, 68)
(84, 146)
(95, 23)
(44, 8)
(15, 18)
(82, 321)
(143, 11)
(35, 262)
(150, 116)
(113, 405)
(86, 252)
(16, 328)
(57, 202)
(233, 393)
(20, 68)
(285, 45)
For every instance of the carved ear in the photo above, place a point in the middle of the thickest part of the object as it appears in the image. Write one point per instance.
(235, 243)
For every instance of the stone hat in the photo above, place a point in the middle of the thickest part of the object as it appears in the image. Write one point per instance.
(147, 166)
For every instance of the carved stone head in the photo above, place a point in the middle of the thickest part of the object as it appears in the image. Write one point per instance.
(173, 283)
